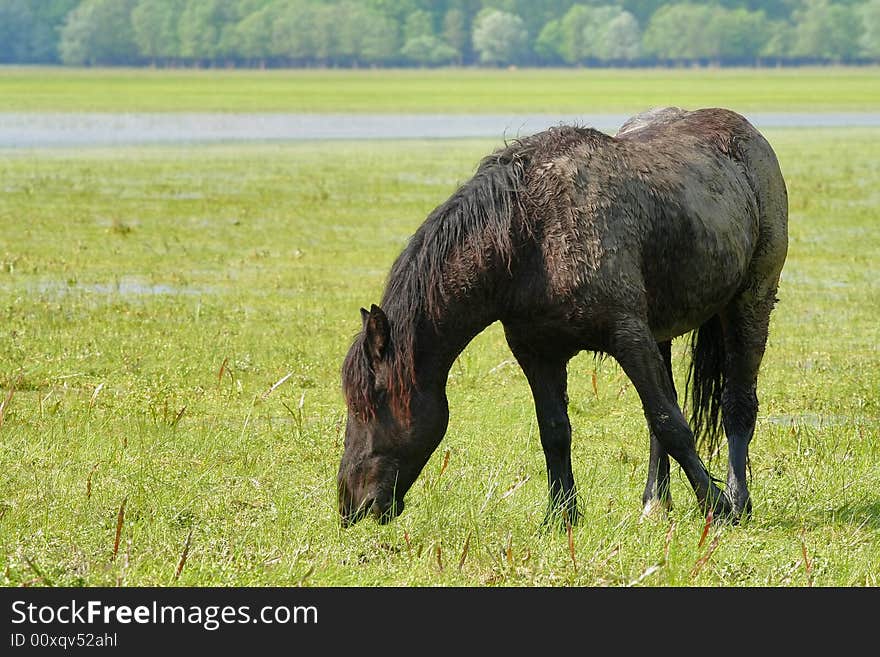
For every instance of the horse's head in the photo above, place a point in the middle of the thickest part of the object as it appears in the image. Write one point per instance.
(393, 427)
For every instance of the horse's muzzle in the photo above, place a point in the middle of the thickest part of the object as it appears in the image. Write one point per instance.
(383, 514)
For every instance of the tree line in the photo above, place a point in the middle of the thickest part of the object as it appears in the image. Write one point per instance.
(350, 33)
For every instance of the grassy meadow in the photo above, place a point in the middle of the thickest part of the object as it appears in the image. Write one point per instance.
(172, 324)
(563, 91)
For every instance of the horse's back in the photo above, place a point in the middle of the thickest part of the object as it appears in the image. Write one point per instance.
(730, 136)
(652, 118)
(740, 143)
(673, 216)
(723, 199)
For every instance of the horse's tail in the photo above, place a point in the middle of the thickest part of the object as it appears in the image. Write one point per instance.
(705, 380)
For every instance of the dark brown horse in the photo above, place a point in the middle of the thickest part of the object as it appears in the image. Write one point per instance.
(576, 240)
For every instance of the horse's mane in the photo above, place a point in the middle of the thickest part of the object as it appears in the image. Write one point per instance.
(473, 232)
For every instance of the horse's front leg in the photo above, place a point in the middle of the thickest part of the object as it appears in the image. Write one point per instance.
(548, 380)
(657, 496)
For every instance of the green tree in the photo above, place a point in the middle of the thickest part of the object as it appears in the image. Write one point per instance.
(428, 50)
(44, 39)
(534, 13)
(307, 32)
(870, 40)
(205, 29)
(99, 32)
(620, 40)
(248, 7)
(16, 30)
(779, 42)
(418, 24)
(324, 33)
(349, 21)
(419, 41)
(500, 37)
(254, 33)
(362, 34)
(740, 34)
(773, 9)
(154, 23)
(379, 41)
(826, 31)
(29, 31)
(679, 32)
(572, 27)
(455, 32)
(398, 10)
(594, 37)
(604, 32)
(294, 31)
(548, 43)
(642, 9)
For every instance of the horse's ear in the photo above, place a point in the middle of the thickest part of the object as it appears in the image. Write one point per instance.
(377, 332)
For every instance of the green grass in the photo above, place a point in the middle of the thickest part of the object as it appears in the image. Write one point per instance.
(151, 297)
(571, 91)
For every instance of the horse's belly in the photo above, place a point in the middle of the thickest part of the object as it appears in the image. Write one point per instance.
(696, 279)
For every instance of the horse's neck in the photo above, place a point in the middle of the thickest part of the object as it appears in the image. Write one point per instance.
(439, 342)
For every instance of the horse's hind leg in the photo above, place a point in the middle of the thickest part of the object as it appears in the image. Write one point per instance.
(657, 494)
(746, 319)
(548, 379)
(745, 323)
(640, 357)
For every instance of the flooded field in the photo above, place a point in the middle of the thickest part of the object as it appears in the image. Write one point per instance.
(34, 130)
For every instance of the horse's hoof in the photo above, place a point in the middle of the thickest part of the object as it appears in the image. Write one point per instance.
(717, 504)
(655, 509)
(741, 511)
(732, 511)
(561, 518)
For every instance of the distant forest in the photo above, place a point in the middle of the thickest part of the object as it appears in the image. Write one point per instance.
(419, 33)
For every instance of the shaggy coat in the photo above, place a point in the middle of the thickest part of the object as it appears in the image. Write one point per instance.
(576, 240)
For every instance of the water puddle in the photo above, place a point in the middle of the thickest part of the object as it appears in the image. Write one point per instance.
(813, 420)
(37, 130)
(127, 286)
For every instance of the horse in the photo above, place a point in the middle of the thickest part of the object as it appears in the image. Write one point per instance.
(576, 240)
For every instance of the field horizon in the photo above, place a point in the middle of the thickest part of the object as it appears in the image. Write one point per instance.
(443, 90)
